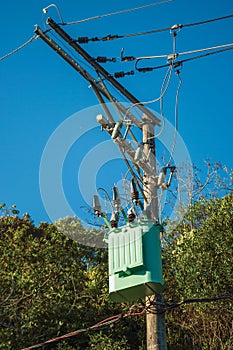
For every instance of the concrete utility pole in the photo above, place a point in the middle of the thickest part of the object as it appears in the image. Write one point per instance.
(156, 332)
(155, 322)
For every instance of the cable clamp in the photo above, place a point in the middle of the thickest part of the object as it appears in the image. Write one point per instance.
(177, 64)
(172, 56)
(176, 27)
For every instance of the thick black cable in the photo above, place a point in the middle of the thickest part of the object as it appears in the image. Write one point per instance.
(207, 21)
(198, 300)
(84, 40)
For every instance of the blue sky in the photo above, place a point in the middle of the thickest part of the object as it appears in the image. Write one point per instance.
(39, 90)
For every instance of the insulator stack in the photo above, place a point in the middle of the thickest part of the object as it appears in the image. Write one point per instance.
(114, 223)
(116, 199)
(135, 196)
(104, 59)
(131, 217)
(96, 205)
(118, 75)
(134, 192)
(83, 40)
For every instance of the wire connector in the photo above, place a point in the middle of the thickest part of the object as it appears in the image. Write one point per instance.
(110, 37)
(104, 59)
(118, 75)
(172, 56)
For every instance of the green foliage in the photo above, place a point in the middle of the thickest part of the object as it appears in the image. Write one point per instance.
(47, 286)
(52, 285)
(100, 341)
(198, 265)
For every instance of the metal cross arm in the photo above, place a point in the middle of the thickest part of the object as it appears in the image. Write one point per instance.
(101, 70)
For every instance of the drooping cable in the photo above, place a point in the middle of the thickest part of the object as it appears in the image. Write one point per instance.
(34, 37)
(170, 69)
(157, 309)
(176, 118)
(98, 326)
(167, 80)
(106, 195)
(161, 100)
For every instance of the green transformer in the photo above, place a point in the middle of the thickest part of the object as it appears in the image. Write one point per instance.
(135, 263)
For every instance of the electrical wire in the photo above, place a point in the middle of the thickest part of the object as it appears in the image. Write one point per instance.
(206, 21)
(106, 195)
(198, 300)
(135, 177)
(161, 107)
(166, 78)
(205, 55)
(157, 309)
(176, 119)
(116, 13)
(185, 52)
(180, 62)
(98, 326)
(153, 31)
(34, 37)
(45, 10)
(205, 49)
(169, 57)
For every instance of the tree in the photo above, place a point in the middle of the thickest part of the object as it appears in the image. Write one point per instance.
(51, 285)
(44, 279)
(199, 264)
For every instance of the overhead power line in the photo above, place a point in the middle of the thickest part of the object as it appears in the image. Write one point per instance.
(169, 57)
(198, 300)
(34, 37)
(152, 308)
(185, 52)
(98, 326)
(109, 37)
(180, 62)
(116, 13)
(206, 21)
